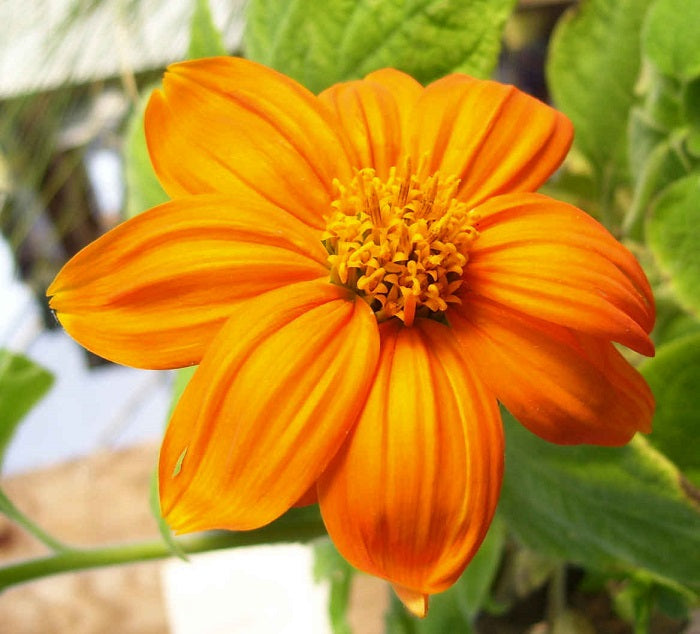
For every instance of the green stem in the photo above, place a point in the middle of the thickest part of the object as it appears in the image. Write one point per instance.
(297, 526)
(10, 510)
(556, 596)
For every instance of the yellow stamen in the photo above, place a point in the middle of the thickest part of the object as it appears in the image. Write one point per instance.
(402, 243)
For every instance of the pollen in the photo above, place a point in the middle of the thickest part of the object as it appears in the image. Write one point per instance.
(401, 243)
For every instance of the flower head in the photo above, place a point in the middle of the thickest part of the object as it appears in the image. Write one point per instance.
(361, 276)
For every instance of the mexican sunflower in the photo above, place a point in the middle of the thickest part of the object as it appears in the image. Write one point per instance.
(361, 276)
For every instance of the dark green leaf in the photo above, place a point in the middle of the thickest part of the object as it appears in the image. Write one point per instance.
(22, 384)
(320, 43)
(601, 507)
(670, 38)
(674, 377)
(674, 235)
(205, 38)
(592, 69)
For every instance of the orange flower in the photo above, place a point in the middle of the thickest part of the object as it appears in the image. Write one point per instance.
(361, 275)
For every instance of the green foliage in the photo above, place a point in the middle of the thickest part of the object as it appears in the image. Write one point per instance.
(321, 42)
(456, 609)
(143, 190)
(592, 69)
(205, 38)
(671, 34)
(22, 384)
(616, 508)
(673, 237)
(330, 565)
(674, 376)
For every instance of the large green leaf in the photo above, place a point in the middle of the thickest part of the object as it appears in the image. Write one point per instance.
(674, 377)
(320, 42)
(592, 69)
(674, 235)
(670, 38)
(602, 507)
(22, 384)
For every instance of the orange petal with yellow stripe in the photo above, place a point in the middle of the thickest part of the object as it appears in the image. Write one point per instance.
(411, 494)
(275, 396)
(565, 387)
(404, 89)
(492, 136)
(226, 124)
(152, 292)
(371, 115)
(550, 260)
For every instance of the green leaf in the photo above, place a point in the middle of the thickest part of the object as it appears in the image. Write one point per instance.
(674, 377)
(672, 322)
(205, 39)
(644, 134)
(321, 43)
(22, 384)
(143, 190)
(592, 69)
(330, 565)
(666, 163)
(456, 609)
(670, 38)
(602, 507)
(673, 233)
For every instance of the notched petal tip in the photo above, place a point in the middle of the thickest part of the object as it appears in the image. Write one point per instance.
(416, 602)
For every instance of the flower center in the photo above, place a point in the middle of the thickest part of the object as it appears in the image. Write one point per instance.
(402, 244)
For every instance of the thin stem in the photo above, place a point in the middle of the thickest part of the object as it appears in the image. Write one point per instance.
(556, 597)
(297, 526)
(10, 510)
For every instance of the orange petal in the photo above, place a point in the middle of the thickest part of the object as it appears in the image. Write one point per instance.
(411, 494)
(552, 261)
(493, 137)
(272, 401)
(416, 602)
(226, 124)
(369, 116)
(565, 387)
(404, 89)
(309, 497)
(152, 292)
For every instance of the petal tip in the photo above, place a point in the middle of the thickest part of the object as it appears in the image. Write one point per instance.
(416, 602)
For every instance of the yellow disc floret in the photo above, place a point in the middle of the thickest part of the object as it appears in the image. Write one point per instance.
(402, 244)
